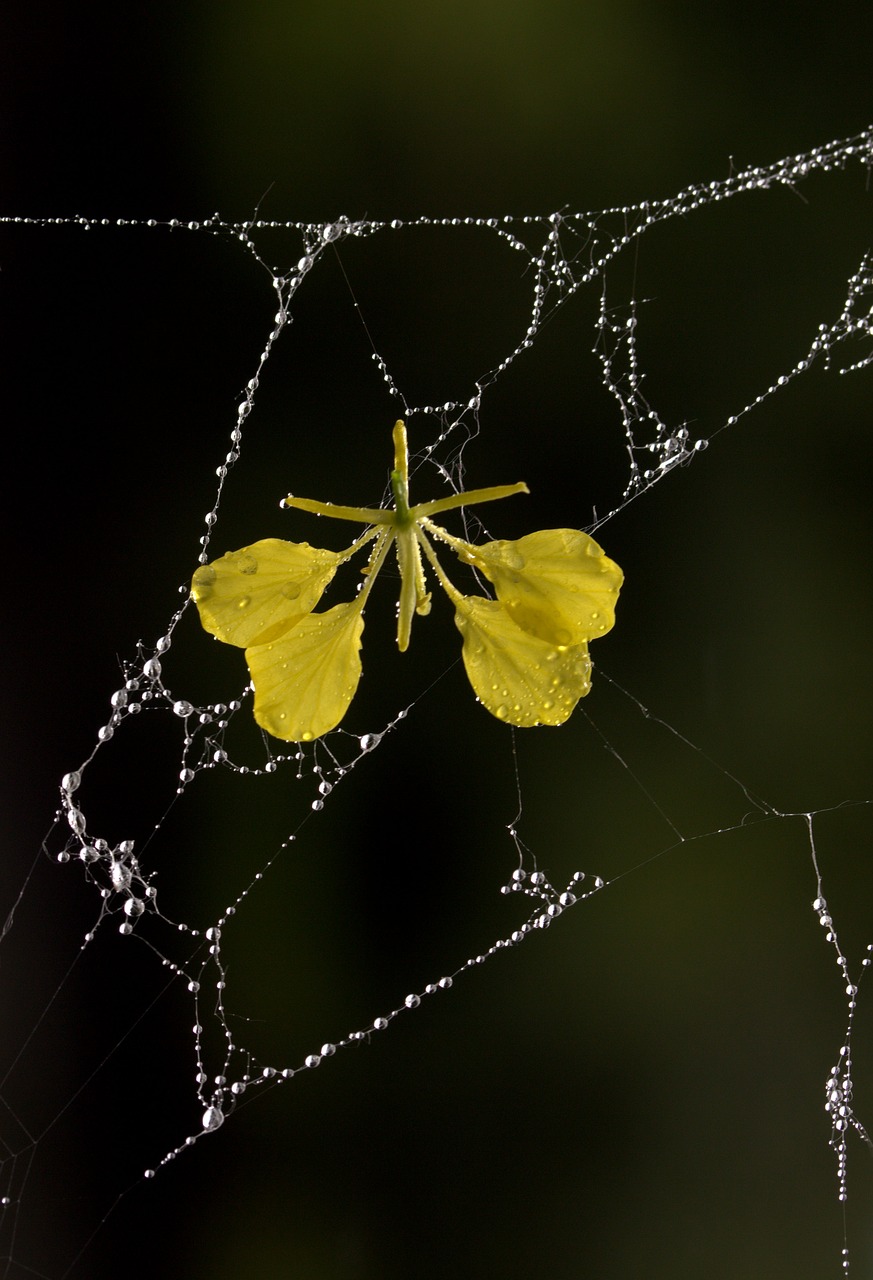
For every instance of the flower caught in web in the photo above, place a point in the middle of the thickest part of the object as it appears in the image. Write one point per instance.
(525, 653)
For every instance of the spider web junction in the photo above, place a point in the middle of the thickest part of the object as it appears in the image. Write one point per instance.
(211, 741)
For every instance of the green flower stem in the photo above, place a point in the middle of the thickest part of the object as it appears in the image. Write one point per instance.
(467, 499)
(451, 591)
(363, 515)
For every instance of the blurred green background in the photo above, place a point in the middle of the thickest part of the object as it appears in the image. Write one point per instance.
(638, 1092)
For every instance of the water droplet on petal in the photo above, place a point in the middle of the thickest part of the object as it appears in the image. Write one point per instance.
(245, 562)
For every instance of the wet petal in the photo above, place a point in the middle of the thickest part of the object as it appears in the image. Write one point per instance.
(557, 583)
(305, 679)
(519, 677)
(254, 595)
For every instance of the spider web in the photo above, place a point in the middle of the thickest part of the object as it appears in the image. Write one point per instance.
(211, 914)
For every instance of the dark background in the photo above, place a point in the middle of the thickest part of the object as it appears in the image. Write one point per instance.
(640, 1091)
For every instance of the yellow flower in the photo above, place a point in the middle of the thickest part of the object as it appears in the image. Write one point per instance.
(525, 653)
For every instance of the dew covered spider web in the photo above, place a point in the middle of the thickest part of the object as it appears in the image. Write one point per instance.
(211, 917)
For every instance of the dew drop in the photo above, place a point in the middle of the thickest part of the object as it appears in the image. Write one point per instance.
(213, 1118)
(76, 819)
(120, 875)
(201, 583)
(245, 562)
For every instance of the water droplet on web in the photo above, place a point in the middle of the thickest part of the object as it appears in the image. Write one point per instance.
(120, 875)
(76, 819)
(213, 1118)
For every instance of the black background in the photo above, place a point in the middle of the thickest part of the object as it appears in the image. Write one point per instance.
(640, 1091)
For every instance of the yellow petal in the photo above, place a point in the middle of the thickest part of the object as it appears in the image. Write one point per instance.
(519, 677)
(557, 583)
(305, 680)
(254, 595)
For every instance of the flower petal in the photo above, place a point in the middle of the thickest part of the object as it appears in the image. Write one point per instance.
(519, 677)
(305, 679)
(556, 584)
(254, 595)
